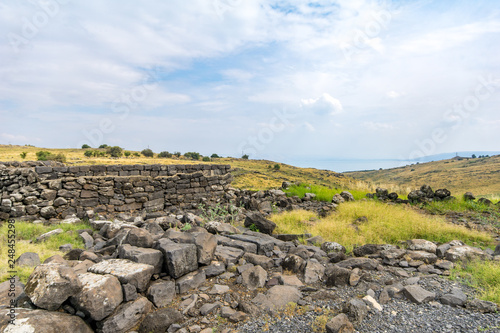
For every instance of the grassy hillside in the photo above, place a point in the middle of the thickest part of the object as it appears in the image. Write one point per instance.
(479, 175)
(249, 174)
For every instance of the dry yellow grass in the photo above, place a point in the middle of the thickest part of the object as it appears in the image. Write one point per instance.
(386, 224)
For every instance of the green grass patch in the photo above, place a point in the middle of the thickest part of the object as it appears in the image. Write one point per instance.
(387, 224)
(26, 234)
(458, 205)
(323, 193)
(482, 275)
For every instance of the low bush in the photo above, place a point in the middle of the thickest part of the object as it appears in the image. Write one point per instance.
(206, 159)
(114, 151)
(165, 154)
(44, 155)
(147, 152)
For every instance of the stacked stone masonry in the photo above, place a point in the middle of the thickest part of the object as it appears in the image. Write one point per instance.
(37, 190)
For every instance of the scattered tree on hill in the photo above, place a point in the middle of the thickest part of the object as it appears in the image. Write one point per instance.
(126, 153)
(23, 155)
(192, 155)
(165, 154)
(245, 157)
(114, 151)
(215, 156)
(136, 154)
(103, 146)
(85, 146)
(89, 153)
(206, 159)
(177, 154)
(473, 156)
(147, 152)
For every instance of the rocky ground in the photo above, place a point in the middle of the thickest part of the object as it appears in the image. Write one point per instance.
(155, 274)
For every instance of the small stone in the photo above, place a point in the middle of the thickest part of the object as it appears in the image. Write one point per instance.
(418, 295)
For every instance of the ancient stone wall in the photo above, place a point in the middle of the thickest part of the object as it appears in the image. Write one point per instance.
(37, 190)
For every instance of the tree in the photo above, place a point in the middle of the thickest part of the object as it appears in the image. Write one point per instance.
(177, 154)
(85, 146)
(23, 155)
(245, 157)
(147, 152)
(114, 151)
(89, 153)
(215, 156)
(103, 146)
(473, 156)
(277, 167)
(192, 155)
(165, 154)
(206, 159)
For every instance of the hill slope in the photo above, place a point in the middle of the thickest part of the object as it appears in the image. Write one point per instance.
(479, 175)
(248, 174)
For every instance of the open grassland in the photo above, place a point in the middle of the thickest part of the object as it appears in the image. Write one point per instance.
(26, 234)
(478, 175)
(384, 223)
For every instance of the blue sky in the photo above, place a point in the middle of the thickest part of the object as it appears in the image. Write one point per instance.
(278, 80)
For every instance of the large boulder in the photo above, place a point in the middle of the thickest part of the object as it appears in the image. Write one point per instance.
(126, 271)
(41, 321)
(337, 276)
(161, 293)
(422, 245)
(206, 245)
(142, 255)
(99, 296)
(126, 316)
(139, 237)
(52, 284)
(254, 277)
(277, 297)
(347, 196)
(178, 259)
(260, 222)
(464, 253)
(160, 320)
(417, 294)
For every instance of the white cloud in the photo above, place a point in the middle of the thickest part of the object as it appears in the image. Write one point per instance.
(377, 126)
(324, 105)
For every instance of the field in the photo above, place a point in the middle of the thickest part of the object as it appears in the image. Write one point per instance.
(478, 175)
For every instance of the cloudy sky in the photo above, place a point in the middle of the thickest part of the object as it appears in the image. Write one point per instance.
(274, 79)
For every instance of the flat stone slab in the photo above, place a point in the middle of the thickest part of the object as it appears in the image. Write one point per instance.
(126, 271)
(263, 245)
(417, 294)
(228, 255)
(245, 246)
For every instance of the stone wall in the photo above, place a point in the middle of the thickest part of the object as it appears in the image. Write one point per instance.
(38, 190)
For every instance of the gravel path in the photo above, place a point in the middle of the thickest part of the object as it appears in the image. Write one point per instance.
(399, 315)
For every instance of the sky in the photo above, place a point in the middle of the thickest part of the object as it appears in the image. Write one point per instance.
(279, 80)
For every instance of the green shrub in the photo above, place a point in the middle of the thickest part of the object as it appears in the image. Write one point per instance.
(245, 157)
(126, 153)
(277, 167)
(192, 155)
(103, 146)
(137, 154)
(85, 146)
(89, 153)
(23, 155)
(206, 159)
(165, 154)
(177, 154)
(147, 152)
(215, 156)
(44, 155)
(114, 151)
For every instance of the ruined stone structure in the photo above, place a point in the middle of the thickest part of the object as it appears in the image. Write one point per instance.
(34, 190)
